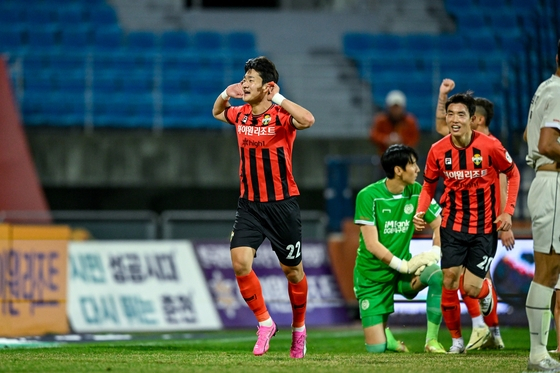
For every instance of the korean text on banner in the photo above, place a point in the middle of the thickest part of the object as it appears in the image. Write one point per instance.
(118, 286)
(33, 262)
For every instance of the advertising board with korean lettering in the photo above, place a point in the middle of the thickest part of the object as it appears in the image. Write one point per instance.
(325, 305)
(137, 286)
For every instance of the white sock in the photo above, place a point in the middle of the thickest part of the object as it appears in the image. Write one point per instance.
(267, 322)
(300, 329)
(538, 303)
(478, 322)
(458, 342)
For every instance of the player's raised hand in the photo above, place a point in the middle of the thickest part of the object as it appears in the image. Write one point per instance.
(273, 89)
(508, 239)
(235, 90)
(504, 222)
(446, 86)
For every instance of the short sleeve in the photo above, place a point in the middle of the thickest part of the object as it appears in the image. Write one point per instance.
(365, 208)
(231, 113)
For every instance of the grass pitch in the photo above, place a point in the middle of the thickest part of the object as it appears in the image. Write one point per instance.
(328, 350)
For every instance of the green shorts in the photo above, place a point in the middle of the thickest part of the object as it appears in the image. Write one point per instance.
(377, 298)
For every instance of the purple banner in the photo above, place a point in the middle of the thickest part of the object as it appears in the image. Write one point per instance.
(325, 305)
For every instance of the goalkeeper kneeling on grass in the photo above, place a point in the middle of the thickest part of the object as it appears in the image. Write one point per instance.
(384, 266)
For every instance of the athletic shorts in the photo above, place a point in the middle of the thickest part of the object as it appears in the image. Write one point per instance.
(377, 298)
(543, 201)
(473, 251)
(280, 222)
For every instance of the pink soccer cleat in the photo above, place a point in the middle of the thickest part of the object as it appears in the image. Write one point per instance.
(264, 333)
(299, 347)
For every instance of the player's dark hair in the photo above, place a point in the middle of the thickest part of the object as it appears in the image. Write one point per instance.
(265, 68)
(465, 98)
(486, 108)
(397, 155)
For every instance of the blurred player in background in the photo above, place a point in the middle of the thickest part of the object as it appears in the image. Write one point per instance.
(384, 267)
(485, 330)
(469, 163)
(543, 141)
(266, 127)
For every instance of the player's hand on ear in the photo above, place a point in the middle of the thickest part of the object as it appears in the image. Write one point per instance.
(273, 89)
(235, 90)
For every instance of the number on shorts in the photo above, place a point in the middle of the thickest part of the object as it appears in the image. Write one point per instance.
(291, 249)
(485, 264)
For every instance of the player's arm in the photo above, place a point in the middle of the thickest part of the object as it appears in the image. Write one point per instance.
(506, 166)
(431, 177)
(548, 141)
(374, 246)
(302, 117)
(525, 135)
(446, 86)
(507, 237)
(222, 101)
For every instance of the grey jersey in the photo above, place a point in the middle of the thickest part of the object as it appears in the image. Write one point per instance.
(544, 112)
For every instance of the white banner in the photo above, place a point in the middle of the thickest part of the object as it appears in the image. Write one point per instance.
(134, 286)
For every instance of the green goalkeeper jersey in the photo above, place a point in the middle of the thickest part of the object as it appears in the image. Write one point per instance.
(392, 214)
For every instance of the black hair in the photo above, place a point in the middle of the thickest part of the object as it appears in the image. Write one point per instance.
(265, 68)
(465, 98)
(397, 155)
(486, 108)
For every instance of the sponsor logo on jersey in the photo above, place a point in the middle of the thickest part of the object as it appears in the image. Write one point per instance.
(395, 226)
(256, 131)
(266, 120)
(245, 118)
(465, 174)
(448, 161)
(408, 209)
(508, 157)
(386, 210)
(477, 159)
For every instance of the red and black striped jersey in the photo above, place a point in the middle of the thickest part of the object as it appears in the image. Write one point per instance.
(470, 179)
(265, 150)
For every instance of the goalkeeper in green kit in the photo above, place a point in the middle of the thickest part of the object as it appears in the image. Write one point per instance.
(384, 265)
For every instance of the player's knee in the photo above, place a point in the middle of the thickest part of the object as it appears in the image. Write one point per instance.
(241, 268)
(432, 276)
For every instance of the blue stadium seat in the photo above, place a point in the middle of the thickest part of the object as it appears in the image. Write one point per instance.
(471, 19)
(33, 107)
(137, 82)
(72, 14)
(74, 113)
(504, 20)
(35, 61)
(70, 82)
(241, 41)
(111, 110)
(76, 37)
(388, 43)
(38, 82)
(11, 15)
(174, 41)
(11, 38)
(106, 82)
(141, 41)
(176, 111)
(107, 38)
(142, 111)
(174, 83)
(457, 6)
(102, 15)
(423, 43)
(356, 43)
(43, 37)
(207, 40)
(483, 41)
(40, 15)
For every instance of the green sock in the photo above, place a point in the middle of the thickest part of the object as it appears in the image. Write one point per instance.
(433, 277)
(378, 348)
(392, 343)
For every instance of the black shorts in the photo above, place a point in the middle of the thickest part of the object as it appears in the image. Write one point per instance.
(280, 222)
(473, 251)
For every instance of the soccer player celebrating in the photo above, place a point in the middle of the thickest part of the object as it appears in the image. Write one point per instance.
(266, 127)
(485, 329)
(543, 140)
(469, 163)
(384, 212)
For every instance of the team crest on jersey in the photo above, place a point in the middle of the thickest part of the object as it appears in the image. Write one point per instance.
(245, 118)
(448, 161)
(508, 157)
(365, 304)
(266, 120)
(408, 209)
(477, 159)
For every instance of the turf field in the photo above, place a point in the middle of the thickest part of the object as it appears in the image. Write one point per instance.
(329, 350)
